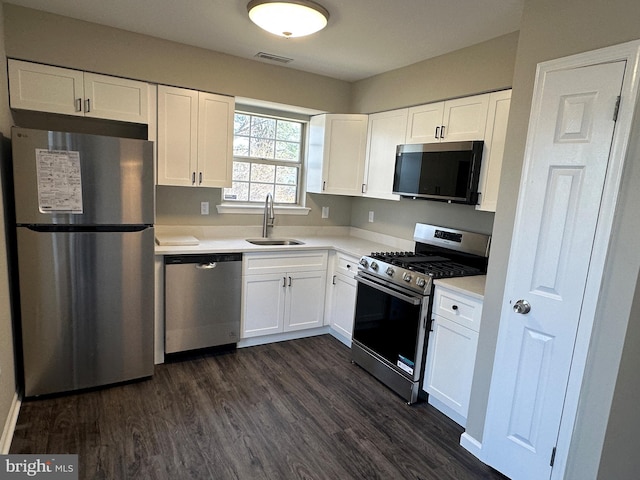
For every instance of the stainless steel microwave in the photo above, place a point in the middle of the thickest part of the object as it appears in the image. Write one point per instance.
(447, 171)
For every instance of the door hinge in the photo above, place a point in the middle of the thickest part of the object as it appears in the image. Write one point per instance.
(616, 109)
(553, 457)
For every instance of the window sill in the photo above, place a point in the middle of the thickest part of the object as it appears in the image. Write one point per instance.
(259, 210)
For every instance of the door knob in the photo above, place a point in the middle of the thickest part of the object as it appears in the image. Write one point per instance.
(522, 306)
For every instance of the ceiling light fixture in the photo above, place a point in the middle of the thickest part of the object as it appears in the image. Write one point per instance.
(288, 18)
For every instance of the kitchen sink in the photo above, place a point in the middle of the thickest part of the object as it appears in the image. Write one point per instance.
(274, 241)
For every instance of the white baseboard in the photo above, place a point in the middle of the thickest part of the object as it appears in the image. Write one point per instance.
(472, 445)
(281, 337)
(10, 425)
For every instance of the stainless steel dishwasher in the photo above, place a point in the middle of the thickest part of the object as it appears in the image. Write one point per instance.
(202, 300)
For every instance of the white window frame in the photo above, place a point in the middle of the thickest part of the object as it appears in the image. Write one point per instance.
(238, 207)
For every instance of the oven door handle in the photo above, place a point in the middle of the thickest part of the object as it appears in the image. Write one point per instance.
(390, 291)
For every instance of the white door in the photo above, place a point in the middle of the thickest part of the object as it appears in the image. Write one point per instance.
(215, 140)
(177, 136)
(44, 88)
(343, 305)
(345, 148)
(386, 132)
(116, 98)
(465, 118)
(304, 307)
(263, 304)
(424, 123)
(560, 197)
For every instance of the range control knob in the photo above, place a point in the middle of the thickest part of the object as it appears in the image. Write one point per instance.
(374, 266)
(407, 277)
(364, 263)
(420, 282)
(390, 271)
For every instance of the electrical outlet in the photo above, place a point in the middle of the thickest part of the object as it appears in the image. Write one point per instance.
(204, 208)
(325, 212)
(371, 216)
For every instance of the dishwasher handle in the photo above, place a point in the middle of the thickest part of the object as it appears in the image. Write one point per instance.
(206, 266)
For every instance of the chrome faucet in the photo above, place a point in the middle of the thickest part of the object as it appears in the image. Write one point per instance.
(269, 215)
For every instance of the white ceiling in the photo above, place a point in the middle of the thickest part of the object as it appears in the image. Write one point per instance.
(363, 37)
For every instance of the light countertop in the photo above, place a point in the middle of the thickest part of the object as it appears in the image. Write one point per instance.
(472, 286)
(345, 240)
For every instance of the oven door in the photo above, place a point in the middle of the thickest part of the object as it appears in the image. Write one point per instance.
(389, 324)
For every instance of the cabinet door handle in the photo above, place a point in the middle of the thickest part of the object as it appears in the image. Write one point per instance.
(289, 281)
(87, 105)
(200, 179)
(193, 178)
(364, 188)
(78, 104)
(284, 282)
(334, 280)
(442, 131)
(324, 186)
(437, 132)
(454, 307)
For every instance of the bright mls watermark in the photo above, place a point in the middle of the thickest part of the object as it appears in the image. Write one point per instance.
(52, 467)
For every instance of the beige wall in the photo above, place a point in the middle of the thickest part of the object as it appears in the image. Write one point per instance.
(181, 206)
(549, 30)
(7, 364)
(480, 68)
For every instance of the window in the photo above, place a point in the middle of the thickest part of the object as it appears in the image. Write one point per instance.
(267, 157)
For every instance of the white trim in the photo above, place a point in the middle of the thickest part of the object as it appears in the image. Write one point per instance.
(244, 209)
(10, 425)
(281, 337)
(471, 445)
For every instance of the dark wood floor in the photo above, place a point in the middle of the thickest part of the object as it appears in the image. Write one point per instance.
(291, 410)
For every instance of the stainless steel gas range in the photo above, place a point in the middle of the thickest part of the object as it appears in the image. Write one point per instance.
(393, 302)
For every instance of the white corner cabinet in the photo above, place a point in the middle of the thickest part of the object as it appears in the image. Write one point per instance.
(451, 351)
(449, 121)
(283, 292)
(336, 154)
(195, 138)
(341, 296)
(44, 88)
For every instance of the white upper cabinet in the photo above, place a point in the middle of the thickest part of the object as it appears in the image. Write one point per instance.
(424, 122)
(450, 121)
(215, 139)
(386, 131)
(494, 139)
(337, 145)
(115, 98)
(44, 88)
(195, 138)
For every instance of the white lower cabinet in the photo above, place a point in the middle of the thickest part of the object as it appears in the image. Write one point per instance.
(282, 292)
(341, 296)
(451, 352)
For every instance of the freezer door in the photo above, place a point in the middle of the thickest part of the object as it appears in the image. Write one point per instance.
(86, 304)
(109, 178)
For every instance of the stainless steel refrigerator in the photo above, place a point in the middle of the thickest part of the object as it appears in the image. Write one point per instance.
(84, 210)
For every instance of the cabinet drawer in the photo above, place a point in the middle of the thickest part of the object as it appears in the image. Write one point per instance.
(462, 309)
(276, 262)
(346, 265)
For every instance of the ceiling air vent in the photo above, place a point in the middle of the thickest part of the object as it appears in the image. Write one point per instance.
(273, 58)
